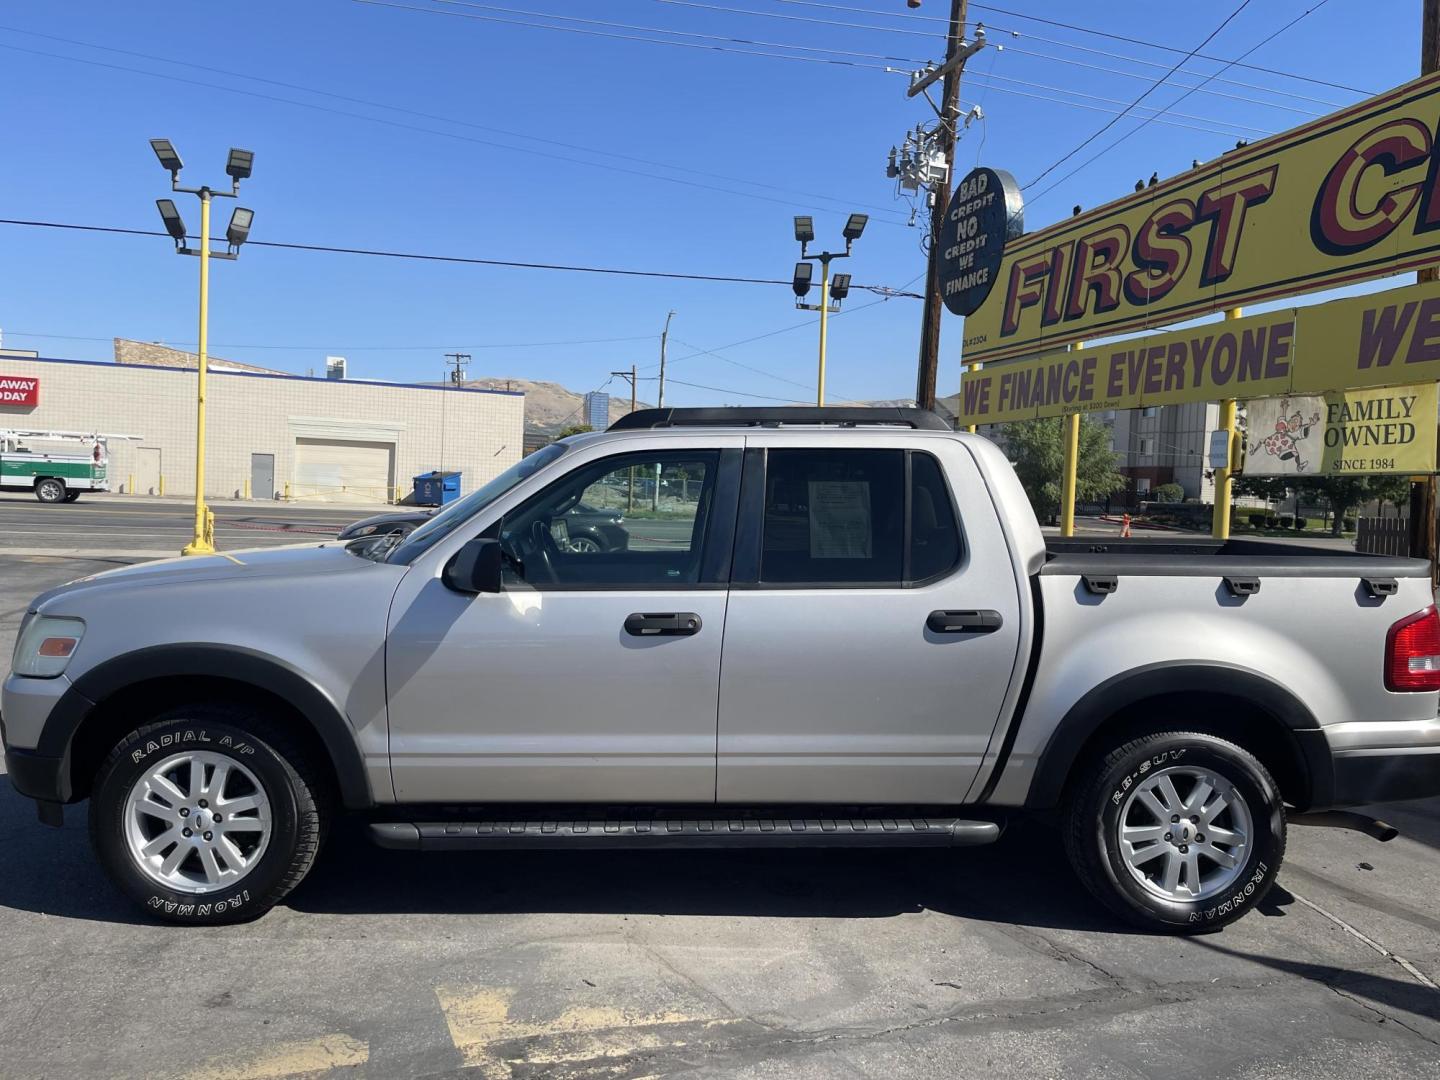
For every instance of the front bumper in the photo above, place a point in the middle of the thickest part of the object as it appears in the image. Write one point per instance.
(1384, 762)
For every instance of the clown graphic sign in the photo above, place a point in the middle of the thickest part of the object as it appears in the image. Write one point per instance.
(1391, 430)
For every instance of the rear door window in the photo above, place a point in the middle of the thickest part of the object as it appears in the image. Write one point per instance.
(879, 517)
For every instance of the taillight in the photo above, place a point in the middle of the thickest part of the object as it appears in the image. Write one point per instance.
(1412, 652)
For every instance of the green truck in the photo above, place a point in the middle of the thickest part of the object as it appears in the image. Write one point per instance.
(54, 477)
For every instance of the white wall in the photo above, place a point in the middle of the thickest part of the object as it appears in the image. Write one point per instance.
(482, 430)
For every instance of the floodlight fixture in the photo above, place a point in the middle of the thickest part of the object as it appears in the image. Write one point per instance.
(171, 216)
(804, 228)
(239, 164)
(239, 229)
(801, 282)
(169, 159)
(855, 226)
(839, 287)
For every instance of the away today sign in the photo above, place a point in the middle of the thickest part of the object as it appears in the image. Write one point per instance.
(1341, 434)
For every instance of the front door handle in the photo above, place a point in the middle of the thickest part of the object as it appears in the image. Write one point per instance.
(964, 622)
(657, 624)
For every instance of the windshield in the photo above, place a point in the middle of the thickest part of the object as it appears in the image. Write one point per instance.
(455, 515)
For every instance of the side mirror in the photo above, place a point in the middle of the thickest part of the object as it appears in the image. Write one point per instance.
(475, 568)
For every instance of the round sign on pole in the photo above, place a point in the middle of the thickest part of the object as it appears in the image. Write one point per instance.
(986, 210)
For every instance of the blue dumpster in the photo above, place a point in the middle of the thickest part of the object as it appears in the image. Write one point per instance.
(437, 488)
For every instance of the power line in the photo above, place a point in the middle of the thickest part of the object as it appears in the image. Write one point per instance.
(736, 363)
(1179, 86)
(720, 390)
(1147, 92)
(624, 37)
(1112, 55)
(461, 259)
(1117, 101)
(674, 33)
(426, 116)
(425, 130)
(350, 348)
(1096, 157)
(1063, 26)
(1212, 129)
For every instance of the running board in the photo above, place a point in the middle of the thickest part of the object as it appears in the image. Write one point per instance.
(662, 832)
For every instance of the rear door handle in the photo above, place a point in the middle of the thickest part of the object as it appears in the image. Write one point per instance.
(657, 624)
(964, 622)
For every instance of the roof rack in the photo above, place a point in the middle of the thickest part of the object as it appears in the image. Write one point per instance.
(780, 416)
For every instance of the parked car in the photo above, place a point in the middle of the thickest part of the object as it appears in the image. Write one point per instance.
(587, 529)
(846, 630)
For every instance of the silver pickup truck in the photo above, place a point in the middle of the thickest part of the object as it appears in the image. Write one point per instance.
(833, 626)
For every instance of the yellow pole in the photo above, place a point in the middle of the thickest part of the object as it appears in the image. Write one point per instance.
(1072, 461)
(970, 427)
(1220, 524)
(1071, 435)
(824, 324)
(130, 484)
(201, 544)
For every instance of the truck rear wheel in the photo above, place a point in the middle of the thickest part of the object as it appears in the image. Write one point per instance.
(208, 815)
(50, 490)
(1177, 831)
(72, 496)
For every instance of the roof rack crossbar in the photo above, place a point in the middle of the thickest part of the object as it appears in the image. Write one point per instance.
(779, 416)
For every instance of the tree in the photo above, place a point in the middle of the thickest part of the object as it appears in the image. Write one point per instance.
(573, 429)
(1343, 493)
(1036, 448)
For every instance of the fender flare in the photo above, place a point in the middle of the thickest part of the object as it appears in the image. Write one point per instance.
(230, 662)
(1231, 680)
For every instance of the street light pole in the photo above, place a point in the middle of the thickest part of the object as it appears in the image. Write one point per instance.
(203, 542)
(238, 167)
(805, 233)
(824, 325)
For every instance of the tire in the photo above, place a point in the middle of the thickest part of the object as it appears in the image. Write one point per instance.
(50, 490)
(72, 496)
(259, 757)
(584, 545)
(1205, 894)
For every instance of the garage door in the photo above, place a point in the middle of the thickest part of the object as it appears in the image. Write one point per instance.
(340, 471)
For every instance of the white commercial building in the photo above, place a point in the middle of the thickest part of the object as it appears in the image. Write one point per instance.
(269, 434)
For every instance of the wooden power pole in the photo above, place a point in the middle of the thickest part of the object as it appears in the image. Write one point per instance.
(949, 120)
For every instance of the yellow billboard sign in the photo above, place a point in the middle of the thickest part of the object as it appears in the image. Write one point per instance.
(1382, 339)
(1351, 196)
(1350, 432)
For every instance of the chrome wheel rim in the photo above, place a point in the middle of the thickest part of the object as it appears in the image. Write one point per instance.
(1185, 833)
(198, 822)
(50, 491)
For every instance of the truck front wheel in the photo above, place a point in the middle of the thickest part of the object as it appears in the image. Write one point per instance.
(1177, 831)
(50, 490)
(208, 815)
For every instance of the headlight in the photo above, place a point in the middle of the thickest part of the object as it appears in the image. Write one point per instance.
(45, 646)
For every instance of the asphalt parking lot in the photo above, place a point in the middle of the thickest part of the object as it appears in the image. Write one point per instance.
(989, 962)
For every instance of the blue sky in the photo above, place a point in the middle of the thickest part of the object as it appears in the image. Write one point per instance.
(510, 162)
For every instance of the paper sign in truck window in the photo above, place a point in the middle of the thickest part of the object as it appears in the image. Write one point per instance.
(840, 519)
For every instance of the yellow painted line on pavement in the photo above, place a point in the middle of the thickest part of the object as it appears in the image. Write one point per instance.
(480, 1018)
(305, 1057)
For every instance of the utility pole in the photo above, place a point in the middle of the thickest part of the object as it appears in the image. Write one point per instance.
(459, 361)
(660, 395)
(630, 376)
(1422, 493)
(949, 118)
